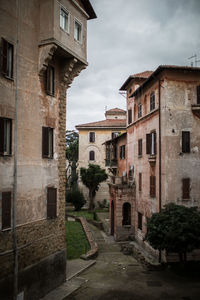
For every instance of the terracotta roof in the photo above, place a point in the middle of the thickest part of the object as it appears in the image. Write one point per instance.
(116, 138)
(142, 75)
(115, 111)
(162, 68)
(111, 123)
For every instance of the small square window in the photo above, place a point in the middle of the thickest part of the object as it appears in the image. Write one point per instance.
(77, 31)
(5, 136)
(64, 20)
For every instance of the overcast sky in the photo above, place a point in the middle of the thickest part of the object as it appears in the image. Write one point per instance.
(130, 36)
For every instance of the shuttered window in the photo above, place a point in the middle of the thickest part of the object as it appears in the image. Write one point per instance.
(5, 136)
(140, 182)
(153, 186)
(50, 85)
(140, 147)
(47, 142)
(91, 155)
(122, 152)
(198, 94)
(186, 188)
(7, 59)
(92, 137)
(129, 116)
(139, 221)
(6, 210)
(185, 141)
(51, 202)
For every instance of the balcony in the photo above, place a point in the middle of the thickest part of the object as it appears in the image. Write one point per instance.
(111, 163)
(196, 110)
(152, 160)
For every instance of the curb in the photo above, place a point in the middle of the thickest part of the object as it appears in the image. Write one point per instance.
(81, 270)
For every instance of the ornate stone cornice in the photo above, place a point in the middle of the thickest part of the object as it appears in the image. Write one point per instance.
(71, 69)
(45, 55)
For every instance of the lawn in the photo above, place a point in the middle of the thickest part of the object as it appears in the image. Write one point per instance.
(82, 213)
(76, 240)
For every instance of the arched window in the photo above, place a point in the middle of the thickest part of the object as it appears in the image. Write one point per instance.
(126, 214)
(91, 155)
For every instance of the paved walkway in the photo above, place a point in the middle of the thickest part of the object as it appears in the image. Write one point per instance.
(116, 276)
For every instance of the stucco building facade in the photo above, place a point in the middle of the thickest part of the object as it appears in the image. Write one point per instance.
(163, 141)
(43, 47)
(92, 137)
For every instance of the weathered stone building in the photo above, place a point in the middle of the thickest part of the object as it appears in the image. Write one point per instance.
(163, 141)
(43, 47)
(92, 136)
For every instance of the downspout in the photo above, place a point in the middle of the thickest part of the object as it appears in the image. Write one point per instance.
(160, 183)
(14, 213)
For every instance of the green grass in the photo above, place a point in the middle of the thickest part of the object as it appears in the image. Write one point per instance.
(76, 240)
(82, 213)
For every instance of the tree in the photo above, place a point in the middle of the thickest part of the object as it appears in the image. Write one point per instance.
(175, 229)
(91, 178)
(72, 139)
(76, 197)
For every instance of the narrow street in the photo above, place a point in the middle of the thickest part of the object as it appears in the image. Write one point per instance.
(117, 276)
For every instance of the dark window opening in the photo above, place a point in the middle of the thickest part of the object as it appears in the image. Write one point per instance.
(153, 186)
(139, 110)
(152, 101)
(7, 59)
(151, 143)
(115, 134)
(50, 80)
(139, 221)
(198, 94)
(185, 141)
(140, 182)
(186, 188)
(126, 214)
(140, 147)
(91, 155)
(129, 116)
(92, 137)
(47, 142)
(5, 136)
(51, 202)
(122, 152)
(6, 210)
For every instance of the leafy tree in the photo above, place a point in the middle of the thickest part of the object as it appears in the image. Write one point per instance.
(91, 178)
(75, 197)
(72, 139)
(175, 229)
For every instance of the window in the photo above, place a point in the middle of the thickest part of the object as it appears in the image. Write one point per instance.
(186, 188)
(129, 116)
(51, 202)
(140, 182)
(152, 101)
(139, 221)
(140, 147)
(151, 143)
(139, 110)
(64, 20)
(153, 186)
(5, 136)
(7, 59)
(91, 155)
(6, 210)
(77, 31)
(126, 214)
(185, 141)
(198, 94)
(115, 134)
(47, 142)
(50, 80)
(92, 137)
(122, 152)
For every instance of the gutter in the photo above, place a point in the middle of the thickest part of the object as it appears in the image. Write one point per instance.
(14, 212)
(160, 183)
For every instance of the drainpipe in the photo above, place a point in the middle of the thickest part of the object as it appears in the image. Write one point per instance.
(160, 183)
(14, 212)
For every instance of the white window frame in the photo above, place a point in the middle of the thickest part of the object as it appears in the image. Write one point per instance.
(81, 26)
(62, 8)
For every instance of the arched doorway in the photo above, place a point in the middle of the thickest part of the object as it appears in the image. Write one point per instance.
(126, 214)
(112, 219)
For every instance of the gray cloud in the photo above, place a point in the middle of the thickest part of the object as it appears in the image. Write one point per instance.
(129, 37)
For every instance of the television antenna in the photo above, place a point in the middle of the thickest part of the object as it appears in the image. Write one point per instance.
(194, 61)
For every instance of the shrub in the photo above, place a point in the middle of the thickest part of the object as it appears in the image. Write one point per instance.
(75, 197)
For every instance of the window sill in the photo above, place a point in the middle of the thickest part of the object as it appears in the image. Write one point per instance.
(6, 229)
(77, 41)
(65, 31)
(7, 77)
(139, 156)
(126, 226)
(52, 95)
(5, 155)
